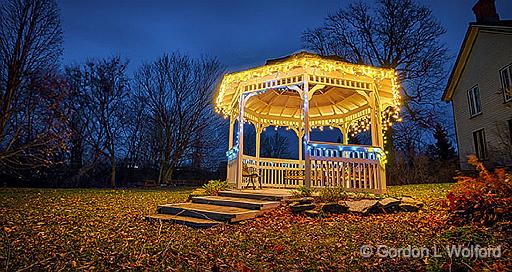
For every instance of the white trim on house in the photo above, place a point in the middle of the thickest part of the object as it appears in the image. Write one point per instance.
(474, 101)
(506, 83)
(480, 155)
(465, 51)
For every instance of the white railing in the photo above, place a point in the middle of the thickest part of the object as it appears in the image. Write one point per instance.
(278, 173)
(353, 167)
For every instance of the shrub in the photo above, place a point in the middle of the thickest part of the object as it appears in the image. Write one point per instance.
(213, 187)
(484, 199)
(302, 191)
(332, 194)
(197, 192)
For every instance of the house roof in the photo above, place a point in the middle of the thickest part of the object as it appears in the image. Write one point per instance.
(503, 26)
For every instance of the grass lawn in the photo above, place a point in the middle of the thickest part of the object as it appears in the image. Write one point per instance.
(46, 229)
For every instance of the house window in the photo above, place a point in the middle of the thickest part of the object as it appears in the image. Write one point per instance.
(480, 144)
(474, 101)
(506, 82)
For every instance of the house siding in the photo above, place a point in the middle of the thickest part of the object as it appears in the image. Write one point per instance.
(491, 52)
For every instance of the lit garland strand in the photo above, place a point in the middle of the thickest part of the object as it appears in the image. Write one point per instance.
(233, 152)
(360, 125)
(388, 117)
(311, 64)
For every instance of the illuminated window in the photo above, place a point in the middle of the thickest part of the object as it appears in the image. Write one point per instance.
(480, 144)
(506, 82)
(474, 101)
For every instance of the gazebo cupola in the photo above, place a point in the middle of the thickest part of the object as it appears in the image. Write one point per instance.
(305, 91)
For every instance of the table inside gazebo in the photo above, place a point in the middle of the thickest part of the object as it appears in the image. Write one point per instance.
(305, 91)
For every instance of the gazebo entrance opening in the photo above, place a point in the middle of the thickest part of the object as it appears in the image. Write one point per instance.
(305, 91)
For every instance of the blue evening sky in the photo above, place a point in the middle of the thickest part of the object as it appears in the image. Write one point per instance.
(240, 33)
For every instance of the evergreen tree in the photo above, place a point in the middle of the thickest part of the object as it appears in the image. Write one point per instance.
(442, 149)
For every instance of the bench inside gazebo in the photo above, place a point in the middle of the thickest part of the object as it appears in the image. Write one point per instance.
(305, 91)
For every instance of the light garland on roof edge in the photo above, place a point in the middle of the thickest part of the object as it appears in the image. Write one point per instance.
(309, 63)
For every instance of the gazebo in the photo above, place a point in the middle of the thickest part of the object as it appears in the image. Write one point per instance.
(305, 91)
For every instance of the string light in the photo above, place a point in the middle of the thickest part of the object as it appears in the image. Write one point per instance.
(233, 152)
(359, 125)
(275, 77)
(308, 62)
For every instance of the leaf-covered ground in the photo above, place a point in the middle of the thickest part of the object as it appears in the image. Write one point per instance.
(45, 229)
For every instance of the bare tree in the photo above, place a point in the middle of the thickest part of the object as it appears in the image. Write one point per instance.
(318, 40)
(249, 140)
(409, 165)
(77, 122)
(98, 110)
(214, 143)
(274, 146)
(107, 103)
(206, 150)
(398, 34)
(178, 93)
(30, 90)
(139, 133)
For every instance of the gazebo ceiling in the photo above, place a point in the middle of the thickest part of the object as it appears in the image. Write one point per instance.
(340, 90)
(326, 102)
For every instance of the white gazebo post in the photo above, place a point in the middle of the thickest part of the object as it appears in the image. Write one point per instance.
(377, 138)
(374, 119)
(240, 142)
(344, 131)
(300, 134)
(305, 109)
(259, 130)
(380, 137)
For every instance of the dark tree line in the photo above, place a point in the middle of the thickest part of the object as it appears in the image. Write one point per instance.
(92, 123)
(82, 123)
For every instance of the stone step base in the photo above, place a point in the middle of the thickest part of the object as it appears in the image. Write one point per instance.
(209, 212)
(246, 203)
(255, 195)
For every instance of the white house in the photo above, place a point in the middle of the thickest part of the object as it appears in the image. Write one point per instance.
(480, 89)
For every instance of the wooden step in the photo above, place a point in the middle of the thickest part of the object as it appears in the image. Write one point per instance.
(208, 211)
(246, 203)
(255, 195)
(184, 220)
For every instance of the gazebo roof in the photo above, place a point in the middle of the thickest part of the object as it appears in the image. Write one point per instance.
(339, 90)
